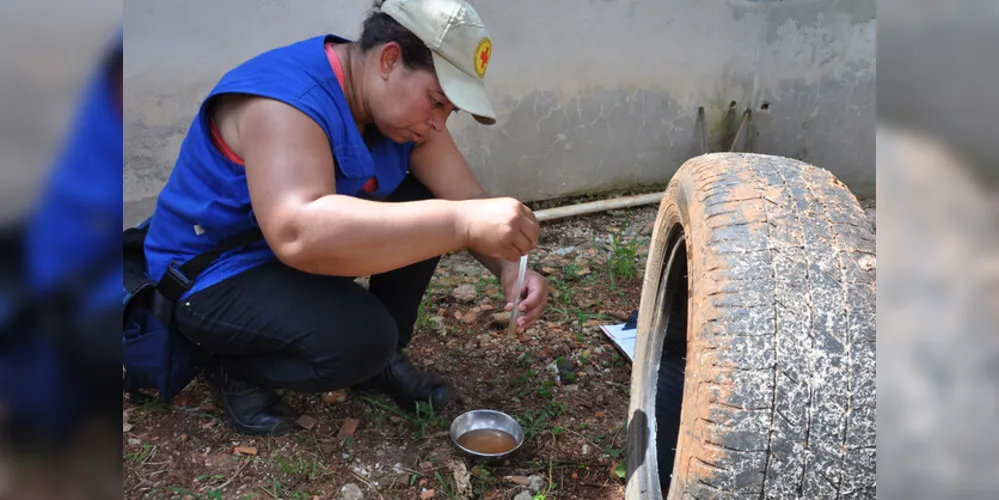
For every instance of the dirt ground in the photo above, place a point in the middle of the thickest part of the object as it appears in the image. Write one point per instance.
(564, 381)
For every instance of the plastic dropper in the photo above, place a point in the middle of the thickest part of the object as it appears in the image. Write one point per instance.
(521, 273)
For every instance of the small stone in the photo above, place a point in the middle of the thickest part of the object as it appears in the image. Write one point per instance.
(134, 442)
(333, 397)
(427, 494)
(307, 422)
(438, 323)
(469, 317)
(518, 480)
(467, 269)
(501, 319)
(572, 388)
(348, 428)
(537, 483)
(566, 252)
(396, 419)
(524, 495)
(465, 293)
(351, 491)
(587, 449)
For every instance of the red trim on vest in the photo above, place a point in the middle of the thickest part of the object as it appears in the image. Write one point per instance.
(370, 187)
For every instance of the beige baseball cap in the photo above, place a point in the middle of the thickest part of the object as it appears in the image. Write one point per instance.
(460, 46)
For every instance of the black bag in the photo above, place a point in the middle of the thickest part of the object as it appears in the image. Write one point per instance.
(155, 355)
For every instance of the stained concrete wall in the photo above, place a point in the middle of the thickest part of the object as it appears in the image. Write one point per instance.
(591, 94)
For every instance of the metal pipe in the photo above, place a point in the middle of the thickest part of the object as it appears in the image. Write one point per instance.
(597, 206)
(738, 133)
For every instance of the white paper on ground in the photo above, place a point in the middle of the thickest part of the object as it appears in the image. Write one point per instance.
(623, 339)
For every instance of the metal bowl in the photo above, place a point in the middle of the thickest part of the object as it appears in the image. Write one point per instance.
(486, 419)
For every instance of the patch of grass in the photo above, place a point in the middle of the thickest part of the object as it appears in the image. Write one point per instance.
(545, 389)
(423, 316)
(622, 263)
(526, 357)
(208, 495)
(482, 480)
(483, 284)
(535, 421)
(301, 468)
(427, 420)
(571, 271)
(522, 379)
(445, 486)
(140, 456)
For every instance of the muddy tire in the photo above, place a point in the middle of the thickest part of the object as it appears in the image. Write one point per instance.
(754, 370)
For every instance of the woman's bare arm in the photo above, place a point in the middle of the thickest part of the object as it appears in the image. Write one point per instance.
(292, 182)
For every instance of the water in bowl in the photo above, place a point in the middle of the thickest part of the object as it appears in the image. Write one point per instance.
(487, 441)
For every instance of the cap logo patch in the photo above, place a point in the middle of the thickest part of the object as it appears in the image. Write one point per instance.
(482, 54)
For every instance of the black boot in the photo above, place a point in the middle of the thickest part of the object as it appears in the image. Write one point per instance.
(250, 409)
(408, 385)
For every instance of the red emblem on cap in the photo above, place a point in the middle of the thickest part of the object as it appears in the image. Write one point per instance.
(482, 54)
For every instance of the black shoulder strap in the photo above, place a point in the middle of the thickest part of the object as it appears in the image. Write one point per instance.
(178, 279)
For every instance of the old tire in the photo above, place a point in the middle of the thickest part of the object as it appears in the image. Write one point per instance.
(761, 285)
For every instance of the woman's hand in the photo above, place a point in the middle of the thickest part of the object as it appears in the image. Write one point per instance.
(534, 296)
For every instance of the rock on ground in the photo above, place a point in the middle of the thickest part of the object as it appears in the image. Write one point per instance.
(351, 491)
(465, 293)
(537, 484)
(524, 495)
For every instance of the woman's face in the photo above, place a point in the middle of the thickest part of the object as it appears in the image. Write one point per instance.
(406, 103)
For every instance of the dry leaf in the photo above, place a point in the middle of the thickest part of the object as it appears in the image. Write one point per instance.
(470, 316)
(600, 414)
(518, 480)
(462, 480)
(333, 397)
(428, 494)
(395, 419)
(620, 315)
(183, 438)
(592, 322)
(245, 450)
(348, 428)
(208, 425)
(307, 422)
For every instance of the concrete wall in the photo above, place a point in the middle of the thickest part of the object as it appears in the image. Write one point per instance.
(591, 94)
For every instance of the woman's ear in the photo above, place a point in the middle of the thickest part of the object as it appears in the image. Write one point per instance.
(388, 57)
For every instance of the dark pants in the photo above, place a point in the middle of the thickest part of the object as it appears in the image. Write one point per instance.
(276, 327)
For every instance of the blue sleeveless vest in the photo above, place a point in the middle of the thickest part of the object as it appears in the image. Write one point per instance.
(206, 200)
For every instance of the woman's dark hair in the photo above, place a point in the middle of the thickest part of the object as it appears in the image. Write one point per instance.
(380, 28)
